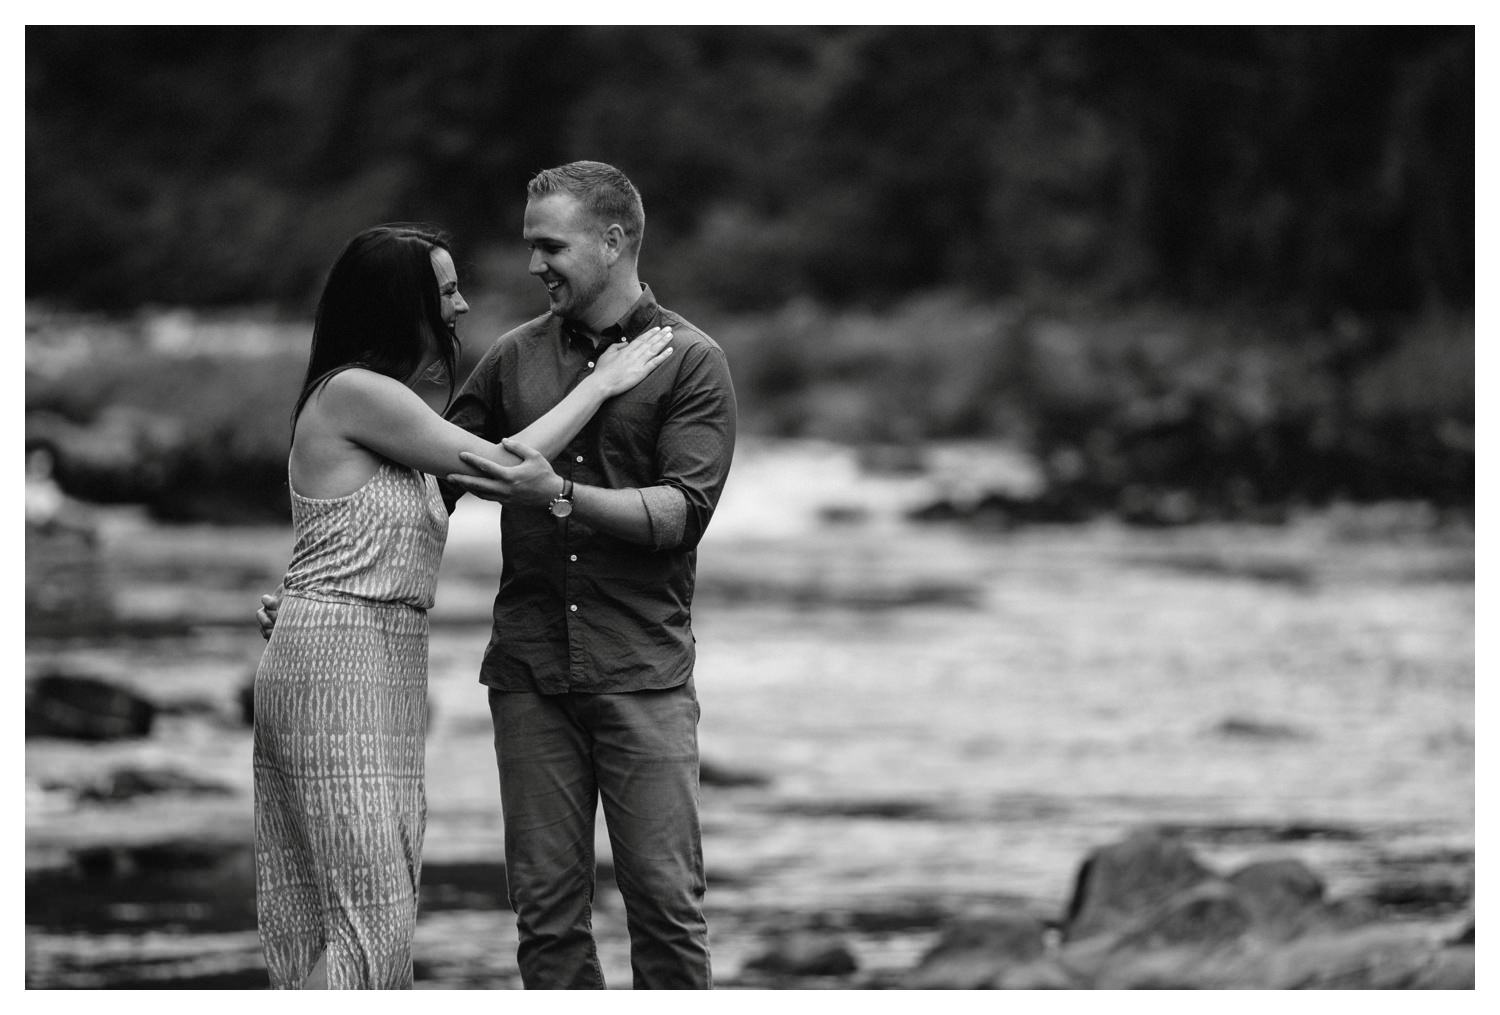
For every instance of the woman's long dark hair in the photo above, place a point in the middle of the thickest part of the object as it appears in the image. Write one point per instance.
(380, 309)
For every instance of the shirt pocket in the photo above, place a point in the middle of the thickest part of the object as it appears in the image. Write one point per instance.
(628, 433)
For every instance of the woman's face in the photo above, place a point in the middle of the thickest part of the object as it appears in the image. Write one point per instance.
(450, 299)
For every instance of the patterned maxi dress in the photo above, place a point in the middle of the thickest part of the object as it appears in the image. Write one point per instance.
(340, 724)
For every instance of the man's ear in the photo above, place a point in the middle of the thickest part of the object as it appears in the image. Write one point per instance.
(614, 242)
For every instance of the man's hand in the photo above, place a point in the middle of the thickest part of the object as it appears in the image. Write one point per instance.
(531, 482)
(266, 615)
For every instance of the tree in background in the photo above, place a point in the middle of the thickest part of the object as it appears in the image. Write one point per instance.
(1330, 168)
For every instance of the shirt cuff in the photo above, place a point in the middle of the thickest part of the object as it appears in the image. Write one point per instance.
(666, 509)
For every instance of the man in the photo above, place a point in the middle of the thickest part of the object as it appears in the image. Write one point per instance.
(590, 661)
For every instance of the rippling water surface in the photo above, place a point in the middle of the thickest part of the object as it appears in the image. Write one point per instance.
(899, 722)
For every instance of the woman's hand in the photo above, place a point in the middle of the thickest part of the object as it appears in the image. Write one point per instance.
(530, 482)
(625, 364)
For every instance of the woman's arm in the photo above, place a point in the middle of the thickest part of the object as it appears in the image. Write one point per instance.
(389, 418)
(618, 368)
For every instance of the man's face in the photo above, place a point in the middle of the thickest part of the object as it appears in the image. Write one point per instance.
(567, 254)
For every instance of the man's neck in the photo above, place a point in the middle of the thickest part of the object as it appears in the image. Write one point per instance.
(612, 305)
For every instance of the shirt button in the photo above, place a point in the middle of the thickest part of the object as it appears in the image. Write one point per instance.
(573, 557)
(574, 608)
(591, 364)
(578, 459)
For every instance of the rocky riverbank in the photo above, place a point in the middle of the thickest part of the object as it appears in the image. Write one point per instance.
(1146, 913)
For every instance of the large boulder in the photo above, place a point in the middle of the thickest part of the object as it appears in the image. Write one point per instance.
(85, 708)
(1283, 895)
(1118, 882)
(1147, 915)
(1205, 915)
(1167, 944)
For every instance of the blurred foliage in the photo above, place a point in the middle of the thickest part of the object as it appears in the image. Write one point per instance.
(1131, 411)
(1327, 168)
(1153, 415)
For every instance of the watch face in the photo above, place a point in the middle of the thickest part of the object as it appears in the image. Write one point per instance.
(561, 508)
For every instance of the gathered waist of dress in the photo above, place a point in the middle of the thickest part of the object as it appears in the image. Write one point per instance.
(349, 599)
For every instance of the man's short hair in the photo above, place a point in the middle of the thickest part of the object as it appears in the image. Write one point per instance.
(605, 191)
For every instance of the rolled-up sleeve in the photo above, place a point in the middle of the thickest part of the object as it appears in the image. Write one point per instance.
(667, 512)
(695, 448)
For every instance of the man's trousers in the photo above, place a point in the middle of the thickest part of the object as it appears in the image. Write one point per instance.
(637, 752)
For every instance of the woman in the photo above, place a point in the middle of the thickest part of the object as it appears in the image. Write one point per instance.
(341, 692)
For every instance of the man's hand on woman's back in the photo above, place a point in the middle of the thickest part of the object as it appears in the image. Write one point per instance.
(266, 615)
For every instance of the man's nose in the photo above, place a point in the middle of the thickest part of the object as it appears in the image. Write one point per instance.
(538, 265)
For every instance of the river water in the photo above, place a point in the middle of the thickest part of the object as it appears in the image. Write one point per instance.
(901, 723)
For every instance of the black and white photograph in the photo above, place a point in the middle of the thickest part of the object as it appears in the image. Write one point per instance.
(750, 507)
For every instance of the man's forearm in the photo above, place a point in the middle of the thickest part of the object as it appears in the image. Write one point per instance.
(618, 513)
(654, 516)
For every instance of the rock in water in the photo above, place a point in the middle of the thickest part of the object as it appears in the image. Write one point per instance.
(713, 774)
(1203, 916)
(129, 783)
(85, 708)
(1393, 956)
(806, 954)
(1284, 895)
(67, 587)
(975, 953)
(1146, 914)
(245, 699)
(1117, 882)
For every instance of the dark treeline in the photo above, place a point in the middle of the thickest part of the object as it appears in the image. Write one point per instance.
(1196, 272)
(1324, 169)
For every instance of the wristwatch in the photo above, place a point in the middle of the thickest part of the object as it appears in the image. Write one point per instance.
(562, 504)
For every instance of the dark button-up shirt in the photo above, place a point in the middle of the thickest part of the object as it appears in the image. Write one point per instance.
(580, 610)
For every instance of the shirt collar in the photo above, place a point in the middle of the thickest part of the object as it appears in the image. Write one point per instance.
(637, 319)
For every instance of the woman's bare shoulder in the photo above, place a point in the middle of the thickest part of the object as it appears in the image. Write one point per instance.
(359, 380)
(358, 388)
